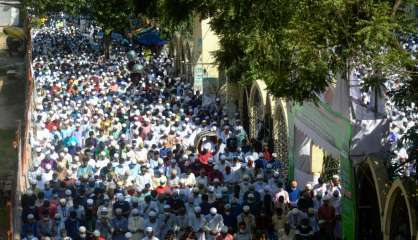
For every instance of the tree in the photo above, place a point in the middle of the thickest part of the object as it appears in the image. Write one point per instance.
(44, 7)
(299, 47)
(111, 16)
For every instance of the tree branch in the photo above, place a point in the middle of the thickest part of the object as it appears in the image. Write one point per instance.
(396, 7)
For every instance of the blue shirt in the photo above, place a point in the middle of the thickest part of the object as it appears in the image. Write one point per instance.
(294, 195)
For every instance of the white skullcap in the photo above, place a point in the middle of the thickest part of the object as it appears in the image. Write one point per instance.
(90, 201)
(135, 211)
(148, 229)
(246, 208)
(213, 210)
(197, 209)
(121, 197)
(96, 233)
(82, 229)
(128, 235)
(152, 214)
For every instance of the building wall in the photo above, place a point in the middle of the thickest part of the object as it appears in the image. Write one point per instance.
(205, 42)
(9, 16)
(210, 43)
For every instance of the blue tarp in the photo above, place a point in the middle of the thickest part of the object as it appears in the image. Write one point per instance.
(150, 38)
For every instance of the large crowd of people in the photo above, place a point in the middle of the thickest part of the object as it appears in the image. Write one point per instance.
(402, 118)
(121, 154)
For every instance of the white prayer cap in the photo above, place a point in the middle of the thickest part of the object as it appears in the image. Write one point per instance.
(197, 209)
(82, 229)
(152, 214)
(213, 210)
(246, 208)
(148, 229)
(96, 233)
(135, 211)
(128, 235)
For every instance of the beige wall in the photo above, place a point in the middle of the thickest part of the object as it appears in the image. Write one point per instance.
(210, 43)
(317, 160)
(205, 43)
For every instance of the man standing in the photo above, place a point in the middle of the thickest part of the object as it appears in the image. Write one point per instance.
(214, 224)
(326, 216)
(294, 193)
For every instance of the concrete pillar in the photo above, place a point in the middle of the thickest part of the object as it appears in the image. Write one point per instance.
(317, 161)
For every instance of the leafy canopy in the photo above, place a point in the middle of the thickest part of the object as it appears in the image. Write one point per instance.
(298, 47)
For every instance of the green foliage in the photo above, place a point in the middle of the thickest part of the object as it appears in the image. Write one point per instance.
(296, 47)
(44, 7)
(111, 15)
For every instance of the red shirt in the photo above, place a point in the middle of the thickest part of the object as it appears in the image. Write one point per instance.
(267, 155)
(50, 126)
(327, 213)
(226, 237)
(162, 190)
(204, 158)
